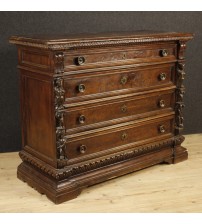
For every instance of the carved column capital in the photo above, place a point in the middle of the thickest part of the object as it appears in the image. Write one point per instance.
(59, 62)
(181, 50)
(178, 140)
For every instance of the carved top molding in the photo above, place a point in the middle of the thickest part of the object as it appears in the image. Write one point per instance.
(97, 40)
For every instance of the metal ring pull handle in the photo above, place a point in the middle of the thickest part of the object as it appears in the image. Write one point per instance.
(162, 76)
(162, 103)
(164, 53)
(81, 88)
(162, 129)
(80, 60)
(82, 149)
(82, 119)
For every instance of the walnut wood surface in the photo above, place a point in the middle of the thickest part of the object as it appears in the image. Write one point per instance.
(99, 106)
(119, 81)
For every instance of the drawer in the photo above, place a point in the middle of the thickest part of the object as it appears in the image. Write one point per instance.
(97, 58)
(99, 141)
(122, 109)
(117, 82)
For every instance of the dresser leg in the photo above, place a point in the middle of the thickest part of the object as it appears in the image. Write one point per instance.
(57, 192)
(181, 154)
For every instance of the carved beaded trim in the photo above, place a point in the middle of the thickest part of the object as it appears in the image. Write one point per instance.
(38, 163)
(96, 43)
(66, 173)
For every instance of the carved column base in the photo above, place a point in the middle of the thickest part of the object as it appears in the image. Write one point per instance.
(180, 154)
(54, 190)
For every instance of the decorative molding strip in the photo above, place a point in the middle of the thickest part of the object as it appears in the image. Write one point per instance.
(88, 44)
(30, 44)
(97, 43)
(38, 163)
(59, 117)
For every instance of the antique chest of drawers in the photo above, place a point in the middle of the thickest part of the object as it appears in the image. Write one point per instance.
(97, 106)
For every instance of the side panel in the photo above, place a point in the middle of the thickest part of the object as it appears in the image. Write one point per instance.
(38, 117)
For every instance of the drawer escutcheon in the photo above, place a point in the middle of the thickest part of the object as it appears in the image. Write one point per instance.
(82, 119)
(124, 108)
(124, 136)
(81, 88)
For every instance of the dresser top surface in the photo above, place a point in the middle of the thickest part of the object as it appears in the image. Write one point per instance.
(66, 41)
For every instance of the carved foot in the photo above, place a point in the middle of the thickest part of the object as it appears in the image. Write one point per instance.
(181, 154)
(55, 191)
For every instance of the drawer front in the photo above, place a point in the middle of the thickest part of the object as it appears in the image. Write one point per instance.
(118, 81)
(116, 138)
(80, 60)
(124, 108)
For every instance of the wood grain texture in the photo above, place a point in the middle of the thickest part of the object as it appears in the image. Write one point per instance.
(117, 82)
(118, 56)
(161, 188)
(37, 122)
(127, 108)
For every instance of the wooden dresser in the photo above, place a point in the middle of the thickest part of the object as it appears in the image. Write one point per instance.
(98, 106)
